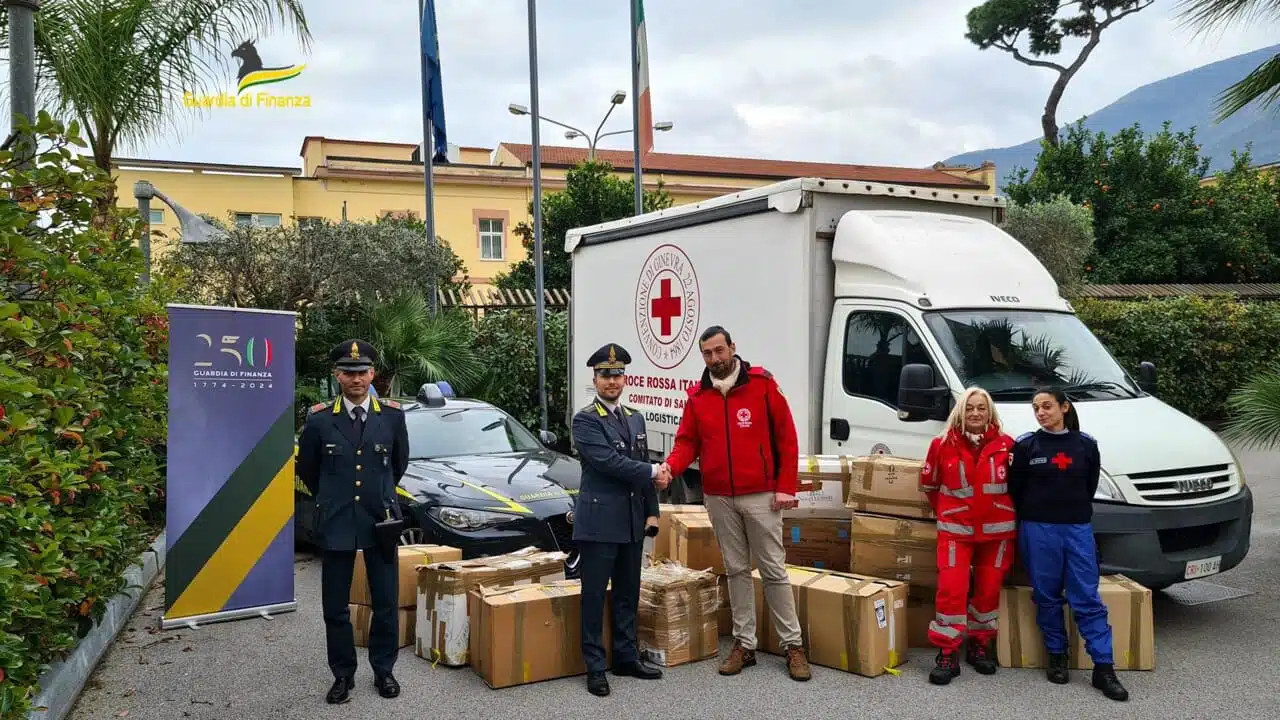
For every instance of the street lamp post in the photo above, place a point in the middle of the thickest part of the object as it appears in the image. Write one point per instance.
(593, 142)
(617, 99)
(195, 229)
(143, 191)
(22, 69)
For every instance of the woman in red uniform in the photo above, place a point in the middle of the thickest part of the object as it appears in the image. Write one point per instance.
(965, 477)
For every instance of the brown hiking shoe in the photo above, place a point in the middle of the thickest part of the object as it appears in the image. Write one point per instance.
(797, 663)
(739, 657)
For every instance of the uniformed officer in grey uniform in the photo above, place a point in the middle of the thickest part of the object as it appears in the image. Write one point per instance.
(617, 494)
(351, 456)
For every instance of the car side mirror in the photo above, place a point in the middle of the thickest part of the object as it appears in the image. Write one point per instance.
(1147, 377)
(920, 397)
(548, 438)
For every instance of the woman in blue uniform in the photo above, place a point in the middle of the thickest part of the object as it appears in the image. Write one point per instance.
(1052, 480)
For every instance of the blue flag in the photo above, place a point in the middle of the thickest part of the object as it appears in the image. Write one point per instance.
(432, 92)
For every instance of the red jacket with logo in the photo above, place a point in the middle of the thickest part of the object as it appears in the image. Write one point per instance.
(968, 486)
(744, 442)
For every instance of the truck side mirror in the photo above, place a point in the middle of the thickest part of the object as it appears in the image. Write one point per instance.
(1147, 377)
(547, 437)
(920, 397)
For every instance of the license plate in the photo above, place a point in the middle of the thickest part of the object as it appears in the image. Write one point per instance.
(1202, 568)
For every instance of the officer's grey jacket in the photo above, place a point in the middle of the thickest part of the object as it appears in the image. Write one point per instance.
(352, 476)
(617, 490)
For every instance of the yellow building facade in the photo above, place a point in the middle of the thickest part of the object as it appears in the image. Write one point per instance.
(481, 195)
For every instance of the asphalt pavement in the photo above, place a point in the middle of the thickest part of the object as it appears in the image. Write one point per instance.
(1214, 659)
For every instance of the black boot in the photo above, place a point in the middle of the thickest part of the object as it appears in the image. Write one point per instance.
(947, 667)
(980, 657)
(1104, 678)
(1057, 672)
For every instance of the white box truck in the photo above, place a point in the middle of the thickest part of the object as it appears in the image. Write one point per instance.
(874, 306)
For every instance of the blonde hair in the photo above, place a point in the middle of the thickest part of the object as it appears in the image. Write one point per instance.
(956, 419)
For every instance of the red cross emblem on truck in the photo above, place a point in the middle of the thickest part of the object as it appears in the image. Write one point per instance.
(665, 307)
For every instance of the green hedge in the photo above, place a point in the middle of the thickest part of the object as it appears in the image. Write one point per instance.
(82, 412)
(1203, 348)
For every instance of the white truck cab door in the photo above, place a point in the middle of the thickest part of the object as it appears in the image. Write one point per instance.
(867, 348)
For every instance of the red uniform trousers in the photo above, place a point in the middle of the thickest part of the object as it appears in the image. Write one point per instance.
(958, 611)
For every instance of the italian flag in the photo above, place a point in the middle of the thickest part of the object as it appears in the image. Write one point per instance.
(641, 69)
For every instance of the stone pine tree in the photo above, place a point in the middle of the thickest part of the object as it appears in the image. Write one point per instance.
(1002, 24)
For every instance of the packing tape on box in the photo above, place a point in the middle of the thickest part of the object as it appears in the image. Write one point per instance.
(1137, 597)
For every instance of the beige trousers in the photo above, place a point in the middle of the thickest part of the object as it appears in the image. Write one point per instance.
(746, 530)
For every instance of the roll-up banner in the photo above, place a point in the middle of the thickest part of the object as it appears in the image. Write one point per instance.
(229, 489)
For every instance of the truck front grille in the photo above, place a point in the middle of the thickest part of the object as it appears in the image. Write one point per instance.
(562, 533)
(1169, 487)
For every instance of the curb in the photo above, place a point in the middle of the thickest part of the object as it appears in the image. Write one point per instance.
(61, 684)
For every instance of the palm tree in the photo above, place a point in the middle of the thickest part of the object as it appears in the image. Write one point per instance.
(119, 67)
(1255, 412)
(1264, 81)
(414, 347)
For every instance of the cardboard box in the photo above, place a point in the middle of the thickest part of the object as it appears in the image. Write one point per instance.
(896, 549)
(848, 622)
(664, 543)
(823, 485)
(442, 612)
(529, 633)
(677, 621)
(920, 613)
(817, 542)
(695, 543)
(411, 556)
(887, 485)
(362, 622)
(1129, 610)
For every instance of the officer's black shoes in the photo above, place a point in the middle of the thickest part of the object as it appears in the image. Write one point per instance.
(947, 667)
(1104, 678)
(597, 684)
(980, 657)
(637, 669)
(341, 691)
(387, 686)
(1057, 670)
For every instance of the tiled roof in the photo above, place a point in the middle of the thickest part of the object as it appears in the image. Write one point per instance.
(745, 167)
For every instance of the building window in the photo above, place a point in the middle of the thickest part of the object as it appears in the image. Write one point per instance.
(310, 221)
(157, 216)
(258, 219)
(491, 239)
(876, 346)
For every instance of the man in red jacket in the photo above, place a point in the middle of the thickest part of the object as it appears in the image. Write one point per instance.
(738, 427)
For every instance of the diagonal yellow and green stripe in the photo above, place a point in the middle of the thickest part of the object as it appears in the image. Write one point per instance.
(208, 563)
(267, 76)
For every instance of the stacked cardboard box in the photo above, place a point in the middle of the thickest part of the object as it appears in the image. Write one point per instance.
(677, 620)
(361, 602)
(528, 633)
(817, 542)
(897, 549)
(832, 485)
(442, 622)
(1129, 611)
(695, 544)
(664, 543)
(849, 622)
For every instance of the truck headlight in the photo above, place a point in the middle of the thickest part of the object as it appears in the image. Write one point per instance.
(467, 519)
(1239, 467)
(1107, 489)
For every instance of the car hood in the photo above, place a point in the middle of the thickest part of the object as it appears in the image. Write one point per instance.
(533, 482)
(1134, 435)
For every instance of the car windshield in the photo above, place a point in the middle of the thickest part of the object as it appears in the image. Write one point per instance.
(465, 431)
(1009, 353)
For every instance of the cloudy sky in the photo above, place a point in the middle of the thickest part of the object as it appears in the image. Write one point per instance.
(864, 81)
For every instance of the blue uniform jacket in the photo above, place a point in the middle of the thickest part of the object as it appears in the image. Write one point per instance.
(352, 477)
(617, 491)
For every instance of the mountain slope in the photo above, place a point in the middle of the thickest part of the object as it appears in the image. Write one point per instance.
(1186, 100)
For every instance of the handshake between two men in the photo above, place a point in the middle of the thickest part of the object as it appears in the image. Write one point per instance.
(780, 501)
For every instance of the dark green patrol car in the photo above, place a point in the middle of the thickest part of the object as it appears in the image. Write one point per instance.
(477, 480)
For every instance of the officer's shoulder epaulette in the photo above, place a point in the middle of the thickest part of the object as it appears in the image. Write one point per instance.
(317, 408)
(391, 404)
(1025, 437)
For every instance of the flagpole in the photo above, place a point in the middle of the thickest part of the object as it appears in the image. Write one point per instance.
(428, 154)
(537, 209)
(635, 105)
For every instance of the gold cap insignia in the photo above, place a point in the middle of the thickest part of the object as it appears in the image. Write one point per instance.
(613, 354)
(355, 351)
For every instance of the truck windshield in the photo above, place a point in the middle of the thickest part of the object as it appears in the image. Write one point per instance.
(1009, 353)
